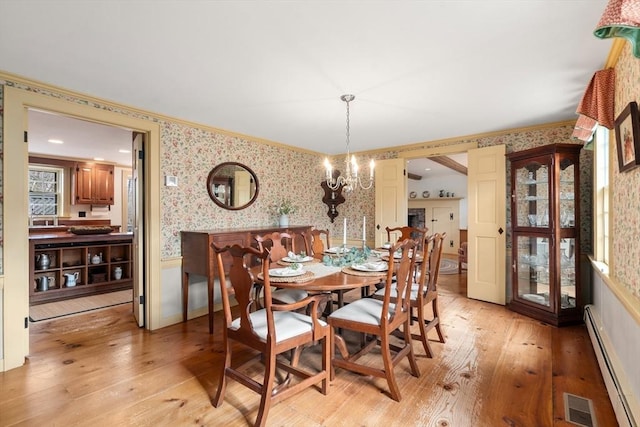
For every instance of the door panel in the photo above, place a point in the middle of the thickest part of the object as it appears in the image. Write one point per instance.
(391, 197)
(137, 173)
(487, 224)
(445, 222)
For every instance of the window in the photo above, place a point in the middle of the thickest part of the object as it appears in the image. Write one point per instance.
(45, 190)
(601, 185)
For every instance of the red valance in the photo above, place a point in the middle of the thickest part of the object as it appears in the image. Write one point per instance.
(596, 105)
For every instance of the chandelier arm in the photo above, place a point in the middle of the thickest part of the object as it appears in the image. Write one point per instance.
(334, 185)
(367, 187)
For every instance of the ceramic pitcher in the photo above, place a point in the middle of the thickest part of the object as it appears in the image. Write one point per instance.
(71, 279)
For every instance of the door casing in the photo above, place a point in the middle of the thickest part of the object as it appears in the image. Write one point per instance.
(15, 301)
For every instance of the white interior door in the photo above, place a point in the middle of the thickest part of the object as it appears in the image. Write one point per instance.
(137, 199)
(444, 220)
(391, 197)
(487, 224)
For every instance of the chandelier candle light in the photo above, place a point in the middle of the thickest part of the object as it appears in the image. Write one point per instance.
(364, 232)
(350, 180)
(344, 234)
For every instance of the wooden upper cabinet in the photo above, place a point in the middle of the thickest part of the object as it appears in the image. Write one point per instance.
(93, 184)
(103, 185)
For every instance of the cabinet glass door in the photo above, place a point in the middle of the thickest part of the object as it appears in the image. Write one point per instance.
(567, 273)
(532, 195)
(567, 193)
(532, 267)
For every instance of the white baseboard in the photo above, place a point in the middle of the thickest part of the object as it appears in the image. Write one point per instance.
(625, 404)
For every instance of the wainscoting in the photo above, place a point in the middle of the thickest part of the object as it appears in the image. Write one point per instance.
(614, 329)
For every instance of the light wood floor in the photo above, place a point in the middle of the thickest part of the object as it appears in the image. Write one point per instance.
(497, 368)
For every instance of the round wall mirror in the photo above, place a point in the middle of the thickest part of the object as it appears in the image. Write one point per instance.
(232, 186)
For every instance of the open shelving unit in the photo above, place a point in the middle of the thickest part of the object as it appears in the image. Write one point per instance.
(76, 254)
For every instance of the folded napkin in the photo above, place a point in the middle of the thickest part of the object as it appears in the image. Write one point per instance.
(288, 271)
(371, 266)
(377, 266)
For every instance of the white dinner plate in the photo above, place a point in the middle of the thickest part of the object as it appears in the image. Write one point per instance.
(298, 258)
(371, 266)
(286, 272)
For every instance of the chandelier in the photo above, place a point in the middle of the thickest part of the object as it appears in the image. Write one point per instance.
(350, 180)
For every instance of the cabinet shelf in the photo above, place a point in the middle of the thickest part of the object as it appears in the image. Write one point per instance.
(544, 217)
(71, 255)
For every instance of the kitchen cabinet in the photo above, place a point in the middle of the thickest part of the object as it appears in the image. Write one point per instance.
(103, 263)
(94, 184)
(546, 234)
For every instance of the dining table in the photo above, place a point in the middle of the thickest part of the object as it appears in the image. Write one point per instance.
(316, 277)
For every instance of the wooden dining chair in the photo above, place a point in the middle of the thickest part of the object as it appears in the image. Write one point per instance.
(378, 319)
(424, 291)
(462, 257)
(278, 245)
(406, 232)
(318, 242)
(269, 331)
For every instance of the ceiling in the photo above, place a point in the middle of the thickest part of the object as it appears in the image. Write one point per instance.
(420, 70)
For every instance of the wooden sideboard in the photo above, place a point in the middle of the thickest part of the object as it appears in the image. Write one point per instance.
(198, 256)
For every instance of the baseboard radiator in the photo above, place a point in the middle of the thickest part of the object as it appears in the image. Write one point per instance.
(622, 398)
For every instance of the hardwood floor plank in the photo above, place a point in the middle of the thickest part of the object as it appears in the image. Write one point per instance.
(497, 368)
(521, 376)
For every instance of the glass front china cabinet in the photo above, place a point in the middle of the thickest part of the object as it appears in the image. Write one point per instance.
(545, 223)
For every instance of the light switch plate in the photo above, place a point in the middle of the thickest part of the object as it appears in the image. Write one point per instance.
(170, 181)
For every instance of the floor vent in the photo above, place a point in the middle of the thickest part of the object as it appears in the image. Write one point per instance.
(579, 410)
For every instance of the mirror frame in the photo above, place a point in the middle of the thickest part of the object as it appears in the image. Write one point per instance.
(210, 182)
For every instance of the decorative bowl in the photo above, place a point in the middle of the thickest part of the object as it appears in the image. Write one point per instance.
(98, 229)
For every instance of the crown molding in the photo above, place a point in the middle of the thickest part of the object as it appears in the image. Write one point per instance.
(614, 53)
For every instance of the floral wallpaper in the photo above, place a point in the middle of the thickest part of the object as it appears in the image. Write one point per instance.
(625, 186)
(190, 154)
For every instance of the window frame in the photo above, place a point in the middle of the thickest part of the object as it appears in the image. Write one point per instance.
(602, 188)
(60, 188)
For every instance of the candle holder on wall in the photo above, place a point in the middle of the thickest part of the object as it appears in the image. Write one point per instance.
(332, 198)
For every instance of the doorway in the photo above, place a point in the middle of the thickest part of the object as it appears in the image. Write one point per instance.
(438, 196)
(64, 141)
(15, 301)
